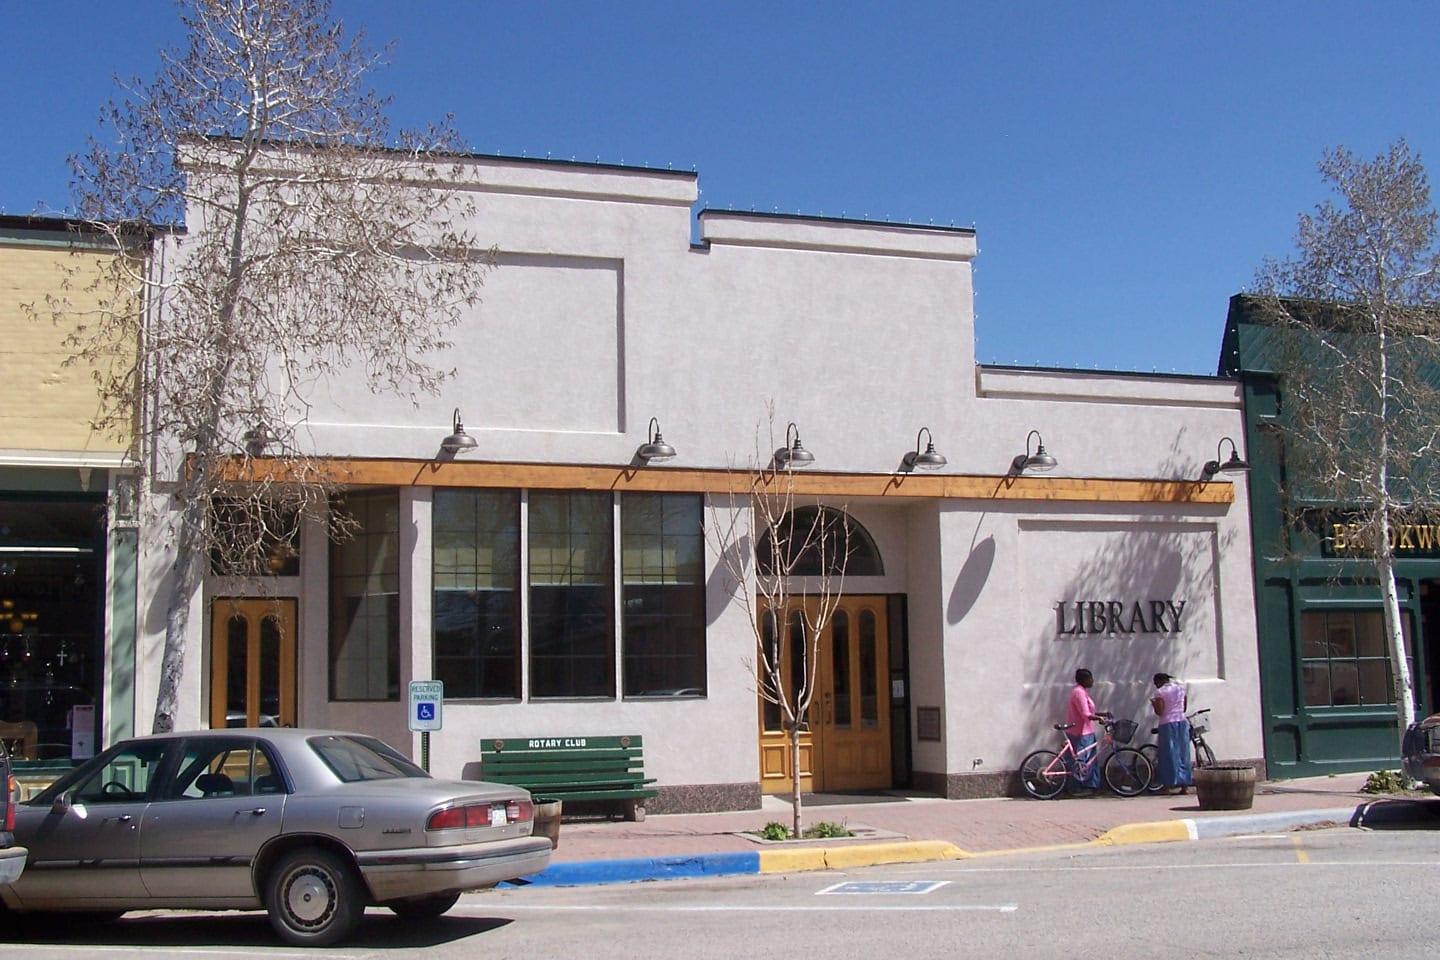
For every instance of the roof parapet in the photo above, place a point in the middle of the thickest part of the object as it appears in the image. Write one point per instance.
(800, 232)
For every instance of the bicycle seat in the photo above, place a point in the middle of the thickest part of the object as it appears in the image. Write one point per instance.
(1063, 726)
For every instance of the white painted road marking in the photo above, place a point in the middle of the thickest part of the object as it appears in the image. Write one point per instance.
(186, 951)
(1204, 866)
(501, 909)
(873, 887)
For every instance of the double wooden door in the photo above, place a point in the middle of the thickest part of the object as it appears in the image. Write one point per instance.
(845, 737)
(252, 663)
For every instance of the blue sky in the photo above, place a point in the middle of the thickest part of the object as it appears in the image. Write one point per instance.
(1127, 165)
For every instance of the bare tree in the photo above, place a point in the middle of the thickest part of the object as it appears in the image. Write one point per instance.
(317, 245)
(785, 558)
(1356, 346)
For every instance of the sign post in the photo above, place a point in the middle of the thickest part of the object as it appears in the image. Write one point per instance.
(427, 706)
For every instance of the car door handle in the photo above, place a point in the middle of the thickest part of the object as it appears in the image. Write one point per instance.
(258, 812)
(123, 818)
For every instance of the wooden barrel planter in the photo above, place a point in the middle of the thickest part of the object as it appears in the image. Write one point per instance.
(547, 821)
(1225, 786)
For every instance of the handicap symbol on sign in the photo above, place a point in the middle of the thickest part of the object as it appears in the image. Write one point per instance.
(424, 711)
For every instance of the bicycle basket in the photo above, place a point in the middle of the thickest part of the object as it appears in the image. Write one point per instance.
(1200, 724)
(1123, 730)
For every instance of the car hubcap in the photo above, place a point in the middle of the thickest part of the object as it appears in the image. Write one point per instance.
(309, 896)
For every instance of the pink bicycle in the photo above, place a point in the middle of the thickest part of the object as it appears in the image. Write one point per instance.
(1126, 771)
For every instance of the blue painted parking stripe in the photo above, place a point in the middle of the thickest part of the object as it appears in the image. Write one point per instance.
(584, 872)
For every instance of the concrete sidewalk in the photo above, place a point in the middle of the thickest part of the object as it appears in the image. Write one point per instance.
(921, 828)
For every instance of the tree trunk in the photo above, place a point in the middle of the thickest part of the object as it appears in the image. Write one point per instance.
(177, 614)
(1404, 685)
(796, 819)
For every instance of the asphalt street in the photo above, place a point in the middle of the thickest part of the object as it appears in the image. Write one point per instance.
(1321, 894)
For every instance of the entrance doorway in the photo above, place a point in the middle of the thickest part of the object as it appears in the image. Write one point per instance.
(252, 663)
(1427, 684)
(845, 740)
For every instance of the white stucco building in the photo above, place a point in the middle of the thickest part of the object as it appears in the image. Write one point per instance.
(560, 586)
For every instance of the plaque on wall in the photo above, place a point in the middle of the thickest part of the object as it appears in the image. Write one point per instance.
(927, 723)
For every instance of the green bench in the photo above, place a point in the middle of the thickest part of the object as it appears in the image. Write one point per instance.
(572, 768)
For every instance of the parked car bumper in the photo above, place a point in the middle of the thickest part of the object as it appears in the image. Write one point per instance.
(12, 863)
(1420, 753)
(422, 871)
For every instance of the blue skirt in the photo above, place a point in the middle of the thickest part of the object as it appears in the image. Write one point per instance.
(1174, 754)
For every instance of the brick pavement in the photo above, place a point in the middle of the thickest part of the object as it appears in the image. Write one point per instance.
(974, 825)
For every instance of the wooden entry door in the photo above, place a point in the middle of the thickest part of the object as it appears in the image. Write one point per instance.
(252, 663)
(845, 741)
(854, 693)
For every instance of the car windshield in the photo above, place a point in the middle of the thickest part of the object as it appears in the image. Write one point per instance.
(362, 758)
(120, 774)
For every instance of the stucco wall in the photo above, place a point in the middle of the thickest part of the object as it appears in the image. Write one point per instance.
(601, 314)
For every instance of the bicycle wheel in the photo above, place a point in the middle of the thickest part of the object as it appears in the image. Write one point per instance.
(1204, 756)
(1043, 774)
(1127, 772)
(1152, 753)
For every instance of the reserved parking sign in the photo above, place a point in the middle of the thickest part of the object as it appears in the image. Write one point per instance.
(427, 700)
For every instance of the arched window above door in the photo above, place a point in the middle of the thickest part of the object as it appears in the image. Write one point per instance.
(809, 539)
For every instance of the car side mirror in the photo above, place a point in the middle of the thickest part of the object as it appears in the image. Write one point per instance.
(63, 803)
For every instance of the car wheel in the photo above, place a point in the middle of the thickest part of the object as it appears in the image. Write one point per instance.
(313, 898)
(423, 908)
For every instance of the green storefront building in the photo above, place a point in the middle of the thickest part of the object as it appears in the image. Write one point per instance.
(1324, 671)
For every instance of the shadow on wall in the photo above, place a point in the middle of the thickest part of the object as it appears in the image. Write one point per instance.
(1134, 573)
(721, 587)
(974, 575)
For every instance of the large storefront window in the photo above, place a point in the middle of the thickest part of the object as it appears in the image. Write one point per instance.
(476, 596)
(663, 576)
(52, 584)
(1344, 658)
(365, 600)
(571, 598)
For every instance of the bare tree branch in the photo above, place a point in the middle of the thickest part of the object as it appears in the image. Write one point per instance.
(785, 562)
(319, 245)
(1356, 346)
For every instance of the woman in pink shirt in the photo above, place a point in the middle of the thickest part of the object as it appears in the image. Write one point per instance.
(1169, 705)
(1080, 715)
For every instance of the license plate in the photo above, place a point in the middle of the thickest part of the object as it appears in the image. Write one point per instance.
(497, 815)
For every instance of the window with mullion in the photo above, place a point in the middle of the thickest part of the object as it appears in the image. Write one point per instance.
(476, 573)
(663, 581)
(1345, 660)
(571, 554)
(365, 599)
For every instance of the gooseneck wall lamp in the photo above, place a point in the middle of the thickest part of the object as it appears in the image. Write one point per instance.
(1234, 465)
(1040, 461)
(930, 459)
(458, 441)
(793, 454)
(655, 449)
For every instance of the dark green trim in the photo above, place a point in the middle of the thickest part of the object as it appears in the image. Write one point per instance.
(1301, 740)
(64, 479)
(121, 665)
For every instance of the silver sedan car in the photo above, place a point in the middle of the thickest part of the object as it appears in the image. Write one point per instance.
(311, 826)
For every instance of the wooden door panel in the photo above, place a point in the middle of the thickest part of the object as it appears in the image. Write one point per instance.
(847, 746)
(252, 663)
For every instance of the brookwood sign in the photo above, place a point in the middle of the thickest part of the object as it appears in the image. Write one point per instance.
(1352, 539)
(1111, 617)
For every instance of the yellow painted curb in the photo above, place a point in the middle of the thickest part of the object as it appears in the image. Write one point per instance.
(858, 855)
(1156, 831)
